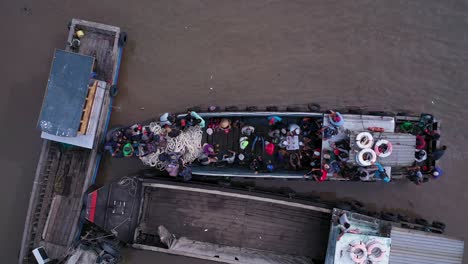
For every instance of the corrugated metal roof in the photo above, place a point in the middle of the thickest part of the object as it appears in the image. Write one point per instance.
(404, 146)
(65, 94)
(416, 247)
(363, 122)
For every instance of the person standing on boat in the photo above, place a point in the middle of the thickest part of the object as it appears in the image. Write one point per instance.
(381, 172)
(345, 226)
(415, 175)
(336, 119)
(317, 174)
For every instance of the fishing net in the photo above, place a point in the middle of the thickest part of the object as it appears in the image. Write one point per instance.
(188, 144)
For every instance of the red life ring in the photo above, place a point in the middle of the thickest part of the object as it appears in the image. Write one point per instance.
(387, 152)
(358, 253)
(375, 251)
(420, 142)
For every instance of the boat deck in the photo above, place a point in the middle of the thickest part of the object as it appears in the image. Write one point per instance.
(225, 142)
(237, 221)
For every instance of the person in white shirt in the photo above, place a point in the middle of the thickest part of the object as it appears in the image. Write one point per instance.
(345, 225)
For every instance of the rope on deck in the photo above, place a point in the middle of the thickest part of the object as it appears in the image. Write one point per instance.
(188, 144)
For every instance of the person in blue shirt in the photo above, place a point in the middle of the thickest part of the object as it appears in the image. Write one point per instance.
(381, 173)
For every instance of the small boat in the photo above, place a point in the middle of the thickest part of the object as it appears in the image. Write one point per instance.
(230, 225)
(73, 121)
(275, 144)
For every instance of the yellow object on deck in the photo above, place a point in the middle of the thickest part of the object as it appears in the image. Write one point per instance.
(80, 33)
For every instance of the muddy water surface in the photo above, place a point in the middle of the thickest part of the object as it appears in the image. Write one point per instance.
(390, 55)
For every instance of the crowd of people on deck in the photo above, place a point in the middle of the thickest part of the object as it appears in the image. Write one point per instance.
(140, 141)
(284, 145)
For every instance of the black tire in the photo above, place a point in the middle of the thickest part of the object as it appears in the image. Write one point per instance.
(114, 90)
(149, 173)
(287, 191)
(420, 228)
(251, 108)
(405, 226)
(293, 108)
(362, 211)
(355, 111)
(403, 218)
(373, 214)
(388, 216)
(272, 108)
(313, 107)
(421, 221)
(216, 109)
(123, 39)
(224, 183)
(437, 231)
(344, 206)
(194, 109)
(356, 204)
(381, 113)
(438, 225)
(232, 108)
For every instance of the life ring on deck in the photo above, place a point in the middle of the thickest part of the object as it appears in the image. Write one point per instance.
(364, 140)
(420, 142)
(358, 253)
(375, 251)
(423, 157)
(362, 161)
(387, 152)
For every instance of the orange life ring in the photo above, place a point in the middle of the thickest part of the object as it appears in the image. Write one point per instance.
(376, 129)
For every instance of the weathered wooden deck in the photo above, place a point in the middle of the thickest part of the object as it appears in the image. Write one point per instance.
(234, 221)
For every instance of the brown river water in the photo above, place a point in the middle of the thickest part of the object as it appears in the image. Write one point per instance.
(379, 55)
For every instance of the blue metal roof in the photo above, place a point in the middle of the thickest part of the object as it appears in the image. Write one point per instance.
(66, 93)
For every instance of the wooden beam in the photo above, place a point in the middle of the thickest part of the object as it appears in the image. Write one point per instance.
(87, 108)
